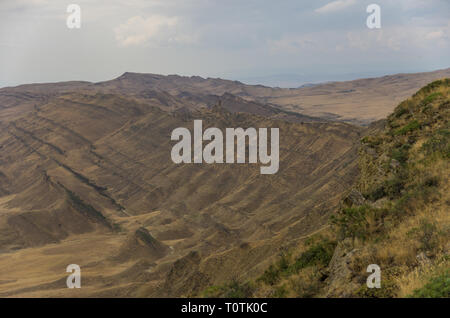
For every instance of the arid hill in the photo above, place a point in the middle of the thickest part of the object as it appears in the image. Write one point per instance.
(358, 102)
(86, 178)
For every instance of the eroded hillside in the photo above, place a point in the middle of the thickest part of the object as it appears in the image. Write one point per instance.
(86, 178)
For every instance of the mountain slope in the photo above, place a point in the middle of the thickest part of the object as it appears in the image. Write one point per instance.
(396, 216)
(87, 178)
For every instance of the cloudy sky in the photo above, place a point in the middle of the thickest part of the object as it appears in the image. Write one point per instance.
(284, 43)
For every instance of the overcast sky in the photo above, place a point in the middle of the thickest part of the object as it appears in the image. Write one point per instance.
(284, 43)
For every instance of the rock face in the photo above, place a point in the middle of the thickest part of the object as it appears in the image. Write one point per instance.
(354, 198)
(422, 259)
(342, 280)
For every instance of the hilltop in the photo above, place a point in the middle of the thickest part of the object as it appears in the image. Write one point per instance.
(359, 102)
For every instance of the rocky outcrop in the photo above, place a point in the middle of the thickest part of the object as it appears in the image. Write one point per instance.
(342, 280)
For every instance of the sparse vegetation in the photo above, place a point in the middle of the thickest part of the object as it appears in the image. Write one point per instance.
(388, 290)
(430, 98)
(402, 224)
(271, 276)
(234, 289)
(438, 144)
(318, 254)
(411, 126)
(427, 234)
(306, 286)
(351, 222)
(437, 287)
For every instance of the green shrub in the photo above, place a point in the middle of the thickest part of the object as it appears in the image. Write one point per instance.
(351, 222)
(400, 111)
(428, 235)
(393, 187)
(438, 143)
(430, 98)
(318, 254)
(371, 141)
(437, 287)
(431, 181)
(400, 153)
(411, 126)
(271, 276)
(283, 263)
(376, 194)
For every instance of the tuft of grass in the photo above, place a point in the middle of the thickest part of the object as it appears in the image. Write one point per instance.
(351, 222)
(233, 289)
(371, 141)
(438, 143)
(280, 292)
(400, 111)
(401, 153)
(427, 234)
(388, 289)
(306, 287)
(271, 276)
(433, 86)
(393, 187)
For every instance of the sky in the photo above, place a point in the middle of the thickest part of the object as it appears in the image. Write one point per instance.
(283, 43)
